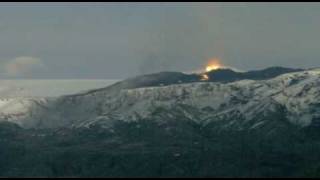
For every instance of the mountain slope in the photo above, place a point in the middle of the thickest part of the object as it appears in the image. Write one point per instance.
(170, 78)
(245, 128)
(239, 104)
(297, 93)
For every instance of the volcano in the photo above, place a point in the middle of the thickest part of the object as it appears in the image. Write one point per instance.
(216, 75)
(262, 123)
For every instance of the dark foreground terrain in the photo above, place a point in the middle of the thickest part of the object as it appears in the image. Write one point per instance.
(147, 149)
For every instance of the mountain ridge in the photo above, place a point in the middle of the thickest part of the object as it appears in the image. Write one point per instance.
(172, 77)
(241, 101)
(244, 128)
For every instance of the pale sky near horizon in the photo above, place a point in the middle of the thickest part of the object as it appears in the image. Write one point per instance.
(119, 40)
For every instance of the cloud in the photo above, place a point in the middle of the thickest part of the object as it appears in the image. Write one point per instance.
(21, 65)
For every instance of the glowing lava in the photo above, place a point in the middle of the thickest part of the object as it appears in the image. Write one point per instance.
(204, 77)
(213, 64)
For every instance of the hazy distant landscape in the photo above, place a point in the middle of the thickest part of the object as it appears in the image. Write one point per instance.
(49, 87)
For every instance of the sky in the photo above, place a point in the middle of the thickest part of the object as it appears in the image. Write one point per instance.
(120, 40)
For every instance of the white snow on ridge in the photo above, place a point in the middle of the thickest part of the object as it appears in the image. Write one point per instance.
(241, 102)
(298, 92)
(21, 99)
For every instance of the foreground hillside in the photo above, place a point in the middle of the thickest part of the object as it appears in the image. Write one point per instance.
(147, 149)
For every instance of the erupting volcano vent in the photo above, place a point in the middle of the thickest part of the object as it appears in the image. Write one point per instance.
(213, 64)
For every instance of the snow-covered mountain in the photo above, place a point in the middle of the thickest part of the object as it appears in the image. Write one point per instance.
(19, 97)
(167, 125)
(291, 97)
